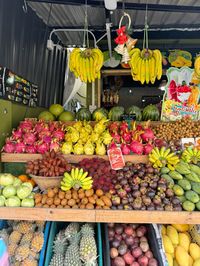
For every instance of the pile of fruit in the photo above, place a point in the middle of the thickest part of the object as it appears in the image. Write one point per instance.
(24, 241)
(146, 65)
(86, 64)
(129, 245)
(179, 247)
(35, 137)
(75, 245)
(14, 193)
(83, 199)
(51, 164)
(83, 138)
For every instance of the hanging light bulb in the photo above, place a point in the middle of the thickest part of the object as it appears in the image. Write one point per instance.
(110, 4)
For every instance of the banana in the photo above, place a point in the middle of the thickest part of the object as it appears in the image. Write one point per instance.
(73, 54)
(147, 71)
(132, 51)
(166, 153)
(87, 70)
(100, 59)
(142, 72)
(80, 173)
(158, 63)
(152, 70)
(162, 150)
(197, 65)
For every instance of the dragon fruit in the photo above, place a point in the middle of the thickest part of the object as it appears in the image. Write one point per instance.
(127, 137)
(30, 149)
(125, 148)
(17, 134)
(29, 138)
(39, 126)
(147, 135)
(136, 147)
(20, 147)
(9, 147)
(54, 146)
(123, 127)
(58, 134)
(148, 148)
(45, 132)
(26, 125)
(42, 147)
(112, 145)
(114, 127)
(47, 139)
(116, 137)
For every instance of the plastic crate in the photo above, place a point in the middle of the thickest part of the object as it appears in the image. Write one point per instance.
(3, 224)
(152, 240)
(56, 227)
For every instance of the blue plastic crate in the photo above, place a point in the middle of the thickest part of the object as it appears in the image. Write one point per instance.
(3, 224)
(56, 227)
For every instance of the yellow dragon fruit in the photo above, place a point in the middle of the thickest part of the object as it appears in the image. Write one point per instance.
(100, 148)
(106, 137)
(94, 137)
(89, 148)
(100, 127)
(84, 135)
(72, 134)
(78, 148)
(87, 127)
(78, 125)
(66, 147)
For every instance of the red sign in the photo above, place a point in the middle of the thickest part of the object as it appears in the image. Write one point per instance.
(116, 158)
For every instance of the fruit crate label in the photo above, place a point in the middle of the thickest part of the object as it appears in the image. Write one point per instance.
(116, 158)
(187, 142)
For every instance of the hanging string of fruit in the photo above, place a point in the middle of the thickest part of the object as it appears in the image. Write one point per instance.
(86, 64)
(146, 65)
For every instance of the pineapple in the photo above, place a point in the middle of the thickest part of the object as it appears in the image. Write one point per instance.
(26, 239)
(57, 260)
(24, 227)
(72, 256)
(34, 255)
(88, 249)
(22, 252)
(71, 230)
(40, 225)
(11, 249)
(29, 262)
(15, 237)
(59, 248)
(37, 242)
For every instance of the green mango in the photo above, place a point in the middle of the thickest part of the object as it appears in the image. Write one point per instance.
(164, 170)
(182, 198)
(196, 187)
(185, 184)
(188, 206)
(198, 205)
(175, 175)
(195, 169)
(182, 168)
(193, 177)
(178, 191)
(192, 196)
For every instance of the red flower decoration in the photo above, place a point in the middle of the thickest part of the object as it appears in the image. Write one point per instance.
(121, 30)
(121, 39)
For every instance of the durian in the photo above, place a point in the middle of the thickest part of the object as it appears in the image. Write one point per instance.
(22, 252)
(37, 242)
(15, 237)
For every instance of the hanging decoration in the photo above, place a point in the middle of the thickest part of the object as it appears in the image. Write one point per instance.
(180, 58)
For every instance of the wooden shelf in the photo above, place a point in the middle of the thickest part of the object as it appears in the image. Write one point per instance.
(102, 216)
(120, 72)
(24, 157)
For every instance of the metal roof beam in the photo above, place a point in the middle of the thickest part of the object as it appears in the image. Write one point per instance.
(133, 6)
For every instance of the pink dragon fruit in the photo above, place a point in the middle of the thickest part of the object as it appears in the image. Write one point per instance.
(58, 134)
(54, 146)
(30, 149)
(112, 145)
(53, 125)
(47, 139)
(147, 135)
(17, 134)
(9, 147)
(116, 137)
(136, 147)
(39, 126)
(125, 149)
(26, 125)
(20, 147)
(127, 137)
(148, 148)
(45, 132)
(114, 127)
(123, 127)
(29, 138)
(42, 147)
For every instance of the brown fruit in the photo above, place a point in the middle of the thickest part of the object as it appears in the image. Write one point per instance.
(59, 206)
(49, 201)
(56, 189)
(107, 201)
(91, 200)
(81, 195)
(99, 192)
(71, 202)
(38, 205)
(84, 201)
(75, 206)
(75, 195)
(100, 202)
(61, 194)
(89, 206)
(50, 193)
(44, 198)
(53, 206)
(45, 206)
(64, 202)
(66, 207)
(82, 206)
(57, 201)
(89, 192)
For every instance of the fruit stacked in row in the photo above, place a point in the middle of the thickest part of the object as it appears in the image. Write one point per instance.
(75, 246)
(86, 64)
(14, 193)
(129, 245)
(137, 139)
(140, 187)
(82, 138)
(51, 164)
(35, 137)
(146, 65)
(185, 180)
(24, 241)
(76, 199)
(179, 247)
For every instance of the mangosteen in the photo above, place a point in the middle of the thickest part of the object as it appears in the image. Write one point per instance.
(113, 207)
(136, 193)
(176, 201)
(130, 199)
(177, 208)
(157, 200)
(120, 207)
(151, 207)
(124, 201)
(144, 184)
(162, 187)
(143, 190)
(126, 168)
(159, 208)
(123, 182)
(151, 194)
(146, 200)
(150, 170)
(166, 201)
(169, 193)
(143, 208)
(137, 204)
(118, 186)
(168, 207)
(153, 184)
(127, 188)
(128, 207)
(115, 200)
(121, 192)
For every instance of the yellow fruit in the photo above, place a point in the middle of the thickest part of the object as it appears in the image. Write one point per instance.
(181, 227)
(191, 261)
(184, 241)
(194, 251)
(197, 262)
(175, 263)
(173, 235)
(182, 257)
(163, 230)
(169, 259)
(168, 244)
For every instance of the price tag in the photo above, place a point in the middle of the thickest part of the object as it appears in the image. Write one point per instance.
(197, 142)
(187, 142)
(116, 158)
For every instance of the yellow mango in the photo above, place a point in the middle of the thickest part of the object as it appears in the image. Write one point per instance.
(169, 259)
(182, 257)
(175, 263)
(184, 241)
(194, 251)
(168, 244)
(173, 235)
(191, 261)
(163, 230)
(181, 227)
(196, 262)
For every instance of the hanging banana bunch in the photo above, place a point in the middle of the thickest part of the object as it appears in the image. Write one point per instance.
(86, 64)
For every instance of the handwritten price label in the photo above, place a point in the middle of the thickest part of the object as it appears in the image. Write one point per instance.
(116, 158)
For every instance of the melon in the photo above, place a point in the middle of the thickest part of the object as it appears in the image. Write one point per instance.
(56, 109)
(46, 115)
(66, 116)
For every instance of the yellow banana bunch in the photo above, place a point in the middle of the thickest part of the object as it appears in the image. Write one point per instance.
(191, 155)
(197, 66)
(76, 179)
(86, 64)
(163, 157)
(146, 65)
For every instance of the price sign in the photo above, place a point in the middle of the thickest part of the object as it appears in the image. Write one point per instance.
(116, 158)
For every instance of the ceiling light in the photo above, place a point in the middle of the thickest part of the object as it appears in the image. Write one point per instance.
(50, 45)
(110, 4)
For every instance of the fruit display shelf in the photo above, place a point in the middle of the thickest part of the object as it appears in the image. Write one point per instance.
(99, 216)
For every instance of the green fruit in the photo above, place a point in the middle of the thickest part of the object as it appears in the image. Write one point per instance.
(193, 177)
(182, 198)
(164, 170)
(151, 112)
(56, 109)
(182, 168)
(196, 187)
(115, 113)
(66, 116)
(168, 178)
(194, 168)
(192, 196)
(185, 184)
(47, 116)
(99, 114)
(83, 114)
(134, 110)
(188, 206)
(198, 205)
(175, 175)
(178, 191)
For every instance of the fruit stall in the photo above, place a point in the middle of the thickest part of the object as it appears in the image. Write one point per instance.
(100, 141)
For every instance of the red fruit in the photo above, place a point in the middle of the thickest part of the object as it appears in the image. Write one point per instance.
(123, 127)
(143, 260)
(147, 135)
(148, 148)
(114, 126)
(9, 147)
(128, 230)
(137, 252)
(125, 149)
(141, 231)
(128, 258)
(136, 147)
(127, 137)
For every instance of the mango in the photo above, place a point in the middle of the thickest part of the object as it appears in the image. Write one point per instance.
(188, 206)
(194, 168)
(178, 191)
(192, 196)
(169, 259)
(168, 244)
(175, 263)
(198, 205)
(175, 175)
(182, 257)
(196, 187)
(184, 241)
(173, 235)
(193, 177)
(163, 230)
(185, 184)
(181, 227)
(196, 262)
(182, 168)
(164, 170)
(191, 261)
(194, 251)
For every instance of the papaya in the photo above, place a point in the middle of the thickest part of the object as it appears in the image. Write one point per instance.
(182, 168)
(164, 170)
(192, 196)
(196, 187)
(188, 206)
(193, 177)
(195, 169)
(178, 191)
(175, 175)
(185, 184)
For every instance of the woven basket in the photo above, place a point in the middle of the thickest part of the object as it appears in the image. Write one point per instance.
(45, 182)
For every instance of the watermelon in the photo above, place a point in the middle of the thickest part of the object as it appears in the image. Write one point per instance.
(99, 113)
(134, 110)
(115, 113)
(83, 114)
(151, 112)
